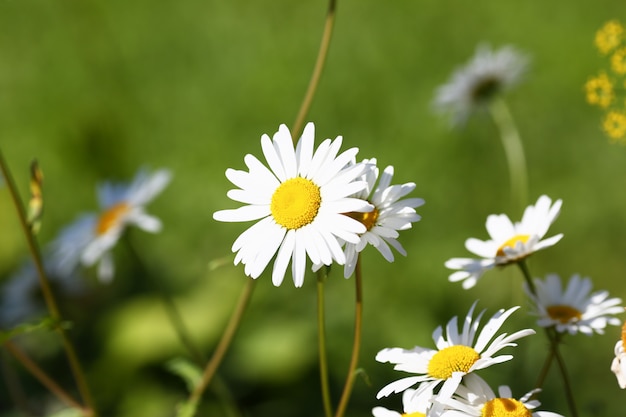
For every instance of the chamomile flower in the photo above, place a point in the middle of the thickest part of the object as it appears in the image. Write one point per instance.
(298, 203)
(574, 309)
(90, 239)
(414, 404)
(457, 354)
(618, 366)
(474, 398)
(391, 213)
(473, 86)
(609, 36)
(510, 242)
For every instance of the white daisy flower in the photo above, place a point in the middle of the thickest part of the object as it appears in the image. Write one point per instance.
(298, 203)
(414, 404)
(457, 354)
(473, 86)
(90, 239)
(389, 215)
(618, 366)
(575, 309)
(474, 398)
(510, 242)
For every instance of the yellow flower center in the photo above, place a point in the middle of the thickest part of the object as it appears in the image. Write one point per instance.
(368, 219)
(614, 125)
(599, 91)
(111, 217)
(457, 358)
(624, 335)
(415, 414)
(511, 243)
(618, 61)
(563, 313)
(609, 36)
(505, 407)
(295, 203)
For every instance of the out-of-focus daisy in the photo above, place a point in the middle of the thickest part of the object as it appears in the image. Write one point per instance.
(575, 309)
(389, 215)
(618, 61)
(609, 36)
(618, 366)
(471, 87)
(298, 203)
(90, 239)
(600, 91)
(510, 242)
(457, 354)
(614, 125)
(414, 404)
(474, 398)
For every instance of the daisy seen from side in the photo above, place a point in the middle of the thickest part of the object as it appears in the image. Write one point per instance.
(473, 86)
(510, 242)
(90, 239)
(458, 353)
(573, 309)
(298, 202)
(618, 365)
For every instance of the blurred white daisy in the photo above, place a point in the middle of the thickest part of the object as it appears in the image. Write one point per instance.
(618, 366)
(414, 404)
(510, 242)
(473, 86)
(474, 398)
(457, 354)
(389, 215)
(90, 239)
(574, 309)
(298, 203)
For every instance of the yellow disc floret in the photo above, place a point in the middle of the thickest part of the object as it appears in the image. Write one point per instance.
(505, 407)
(618, 61)
(614, 125)
(415, 414)
(367, 219)
(599, 91)
(457, 358)
(511, 243)
(295, 203)
(563, 313)
(609, 36)
(111, 217)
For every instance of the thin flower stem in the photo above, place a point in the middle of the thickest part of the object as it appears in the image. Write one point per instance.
(317, 71)
(544, 370)
(356, 346)
(321, 338)
(554, 340)
(224, 343)
(47, 291)
(41, 376)
(513, 149)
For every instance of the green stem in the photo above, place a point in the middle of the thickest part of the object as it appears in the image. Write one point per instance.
(544, 370)
(513, 149)
(48, 296)
(317, 71)
(356, 345)
(328, 409)
(224, 343)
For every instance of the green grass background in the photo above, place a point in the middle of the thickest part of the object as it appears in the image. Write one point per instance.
(94, 90)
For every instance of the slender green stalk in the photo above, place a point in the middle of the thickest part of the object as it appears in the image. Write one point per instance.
(41, 376)
(48, 296)
(224, 343)
(356, 345)
(554, 340)
(317, 71)
(513, 149)
(321, 338)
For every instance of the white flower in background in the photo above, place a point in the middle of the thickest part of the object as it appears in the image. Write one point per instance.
(298, 203)
(574, 309)
(457, 354)
(473, 86)
(510, 242)
(618, 366)
(414, 404)
(474, 398)
(390, 214)
(90, 239)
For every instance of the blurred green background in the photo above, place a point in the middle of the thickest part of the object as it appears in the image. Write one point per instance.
(97, 89)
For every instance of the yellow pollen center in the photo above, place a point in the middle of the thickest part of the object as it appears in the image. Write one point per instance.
(415, 414)
(563, 313)
(505, 407)
(457, 358)
(511, 243)
(368, 219)
(111, 217)
(295, 203)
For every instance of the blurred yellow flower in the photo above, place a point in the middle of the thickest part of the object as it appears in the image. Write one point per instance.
(609, 36)
(614, 125)
(618, 61)
(599, 91)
